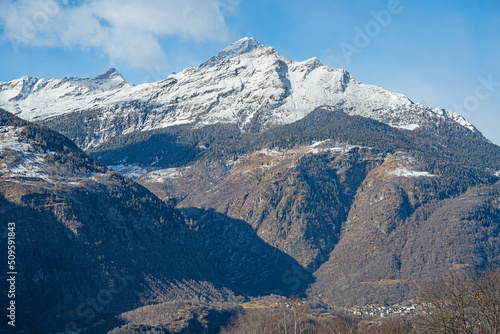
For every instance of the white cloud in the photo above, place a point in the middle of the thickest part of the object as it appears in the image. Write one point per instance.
(126, 30)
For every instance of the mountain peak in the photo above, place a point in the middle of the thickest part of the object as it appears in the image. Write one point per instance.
(111, 74)
(240, 47)
(109, 80)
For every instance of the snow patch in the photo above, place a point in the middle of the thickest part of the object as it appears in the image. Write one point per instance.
(158, 176)
(26, 162)
(9, 140)
(161, 175)
(25, 165)
(403, 172)
(132, 171)
(329, 146)
(32, 168)
(410, 127)
(271, 152)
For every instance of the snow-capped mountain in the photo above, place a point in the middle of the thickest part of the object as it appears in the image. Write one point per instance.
(35, 99)
(244, 45)
(245, 83)
(257, 177)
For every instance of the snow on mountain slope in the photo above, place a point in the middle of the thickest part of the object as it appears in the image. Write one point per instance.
(242, 46)
(246, 83)
(19, 159)
(22, 162)
(35, 99)
(454, 116)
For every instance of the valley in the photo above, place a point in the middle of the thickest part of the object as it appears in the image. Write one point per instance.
(173, 205)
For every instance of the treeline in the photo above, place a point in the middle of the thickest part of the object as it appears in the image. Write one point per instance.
(461, 303)
(177, 145)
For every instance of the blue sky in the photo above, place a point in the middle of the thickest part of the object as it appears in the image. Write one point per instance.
(441, 53)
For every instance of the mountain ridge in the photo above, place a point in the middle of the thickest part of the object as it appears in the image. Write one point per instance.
(247, 84)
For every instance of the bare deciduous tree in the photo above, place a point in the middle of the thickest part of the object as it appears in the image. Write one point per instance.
(292, 317)
(335, 325)
(393, 325)
(295, 317)
(461, 303)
